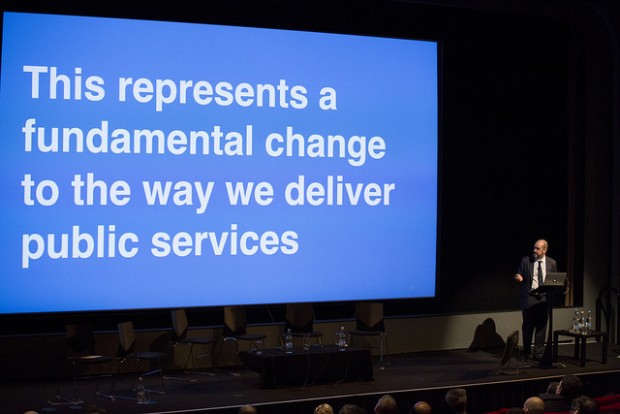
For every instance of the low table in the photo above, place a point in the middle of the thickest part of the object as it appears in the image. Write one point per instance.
(580, 344)
(319, 364)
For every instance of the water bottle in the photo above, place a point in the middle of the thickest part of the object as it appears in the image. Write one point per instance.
(341, 338)
(140, 393)
(288, 340)
(589, 322)
(582, 324)
(575, 327)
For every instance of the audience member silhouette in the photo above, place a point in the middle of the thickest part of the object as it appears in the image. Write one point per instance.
(386, 405)
(515, 410)
(568, 389)
(584, 405)
(534, 405)
(324, 409)
(457, 400)
(552, 388)
(247, 409)
(421, 407)
(352, 409)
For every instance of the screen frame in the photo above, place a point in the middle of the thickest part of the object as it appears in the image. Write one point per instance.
(397, 305)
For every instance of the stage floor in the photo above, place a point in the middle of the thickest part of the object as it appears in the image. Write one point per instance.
(409, 377)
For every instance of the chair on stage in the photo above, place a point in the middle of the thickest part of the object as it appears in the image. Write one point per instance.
(370, 323)
(180, 327)
(126, 354)
(300, 320)
(81, 356)
(235, 330)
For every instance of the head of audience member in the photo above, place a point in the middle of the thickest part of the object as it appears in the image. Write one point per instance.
(584, 405)
(570, 387)
(534, 405)
(386, 405)
(421, 407)
(352, 409)
(457, 399)
(247, 409)
(552, 387)
(324, 409)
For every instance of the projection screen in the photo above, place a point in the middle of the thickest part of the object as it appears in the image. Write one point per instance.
(157, 164)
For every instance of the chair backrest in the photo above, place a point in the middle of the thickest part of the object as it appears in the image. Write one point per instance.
(369, 316)
(79, 340)
(179, 323)
(126, 338)
(300, 317)
(234, 320)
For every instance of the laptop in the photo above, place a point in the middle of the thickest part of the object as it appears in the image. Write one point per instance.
(555, 279)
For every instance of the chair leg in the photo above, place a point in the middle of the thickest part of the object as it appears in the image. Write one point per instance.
(385, 352)
(381, 345)
(162, 378)
(60, 399)
(235, 350)
(190, 354)
(186, 370)
(110, 394)
(194, 358)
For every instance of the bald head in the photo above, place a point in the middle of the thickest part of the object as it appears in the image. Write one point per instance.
(386, 405)
(247, 409)
(534, 405)
(540, 248)
(421, 407)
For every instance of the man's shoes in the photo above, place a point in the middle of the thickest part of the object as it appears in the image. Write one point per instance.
(529, 357)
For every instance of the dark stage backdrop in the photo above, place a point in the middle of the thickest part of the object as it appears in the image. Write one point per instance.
(506, 83)
(505, 172)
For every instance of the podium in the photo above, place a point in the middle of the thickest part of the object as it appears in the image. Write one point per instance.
(554, 283)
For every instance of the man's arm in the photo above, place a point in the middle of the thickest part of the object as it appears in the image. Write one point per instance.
(521, 271)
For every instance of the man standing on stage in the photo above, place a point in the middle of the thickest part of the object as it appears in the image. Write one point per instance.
(531, 274)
